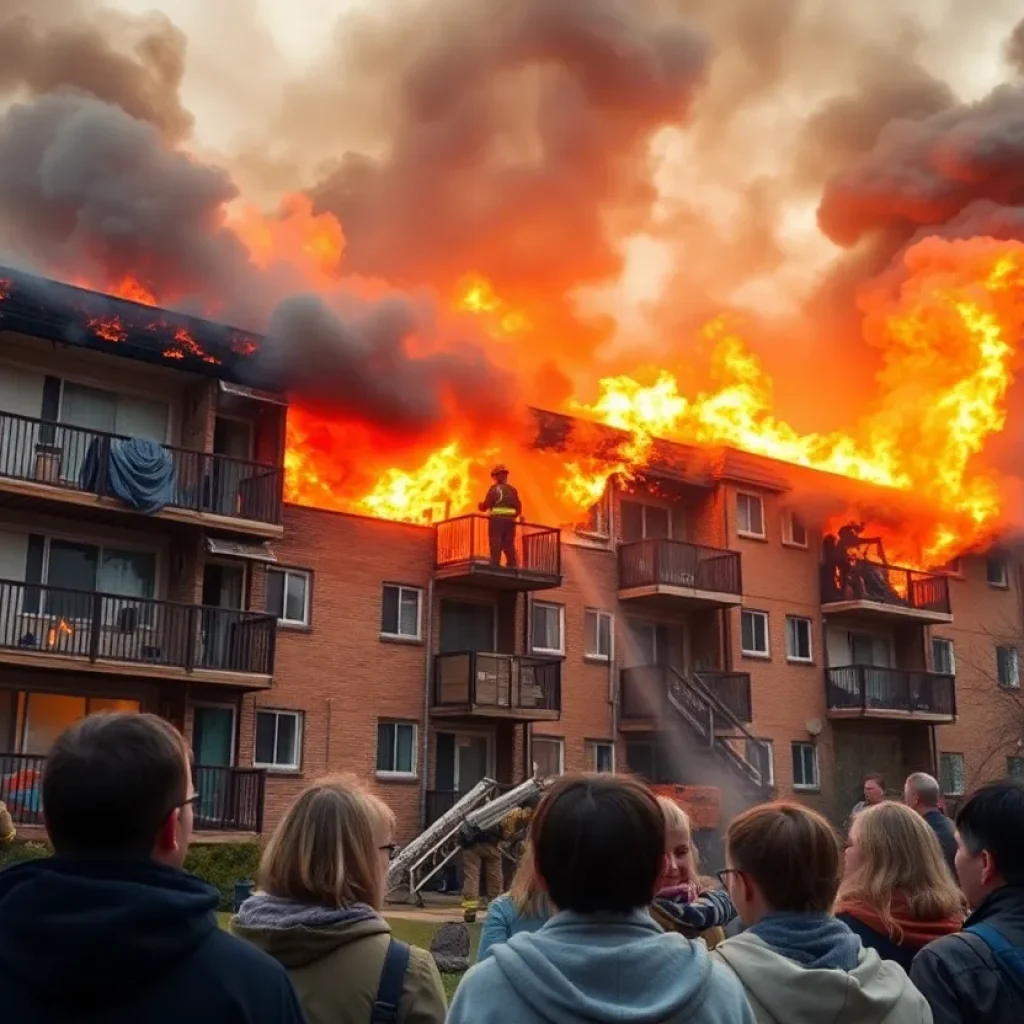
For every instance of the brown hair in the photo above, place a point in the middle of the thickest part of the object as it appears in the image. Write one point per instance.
(325, 851)
(525, 892)
(901, 856)
(791, 852)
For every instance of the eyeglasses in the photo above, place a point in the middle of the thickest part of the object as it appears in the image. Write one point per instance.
(392, 849)
(723, 876)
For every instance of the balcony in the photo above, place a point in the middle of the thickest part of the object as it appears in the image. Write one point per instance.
(464, 554)
(54, 462)
(230, 799)
(732, 690)
(872, 590)
(43, 626)
(497, 686)
(863, 691)
(686, 574)
(644, 692)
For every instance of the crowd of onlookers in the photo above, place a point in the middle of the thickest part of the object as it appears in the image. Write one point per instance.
(608, 917)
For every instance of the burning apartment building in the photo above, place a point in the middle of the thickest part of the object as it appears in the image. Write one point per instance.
(701, 623)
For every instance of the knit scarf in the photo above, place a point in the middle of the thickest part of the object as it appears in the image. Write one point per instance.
(909, 931)
(812, 940)
(266, 911)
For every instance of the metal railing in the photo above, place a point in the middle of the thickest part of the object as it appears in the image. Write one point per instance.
(863, 580)
(732, 689)
(228, 799)
(516, 682)
(466, 539)
(907, 691)
(109, 627)
(674, 563)
(77, 459)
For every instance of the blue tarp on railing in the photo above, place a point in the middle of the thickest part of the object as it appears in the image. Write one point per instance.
(139, 472)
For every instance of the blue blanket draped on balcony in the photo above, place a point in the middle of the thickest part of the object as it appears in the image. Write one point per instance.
(139, 472)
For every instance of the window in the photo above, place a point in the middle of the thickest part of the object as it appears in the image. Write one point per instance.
(644, 522)
(1015, 767)
(396, 748)
(954, 567)
(1008, 666)
(805, 766)
(754, 633)
(952, 777)
(597, 629)
(288, 596)
(400, 611)
(596, 524)
(602, 757)
(546, 622)
(762, 756)
(548, 756)
(749, 515)
(996, 572)
(113, 413)
(278, 739)
(794, 533)
(798, 638)
(943, 658)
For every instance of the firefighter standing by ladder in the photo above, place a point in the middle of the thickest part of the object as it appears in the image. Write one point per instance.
(503, 506)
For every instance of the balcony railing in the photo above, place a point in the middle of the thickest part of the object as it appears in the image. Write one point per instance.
(229, 799)
(866, 688)
(890, 585)
(77, 459)
(732, 690)
(674, 563)
(466, 540)
(492, 682)
(108, 627)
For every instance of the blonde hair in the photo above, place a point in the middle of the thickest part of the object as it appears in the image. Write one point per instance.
(526, 895)
(901, 854)
(677, 820)
(326, 850)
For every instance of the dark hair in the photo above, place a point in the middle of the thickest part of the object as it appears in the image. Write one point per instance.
(993, 819)
(599, 844)
(792, 853)
(875, 777)
(109, 782)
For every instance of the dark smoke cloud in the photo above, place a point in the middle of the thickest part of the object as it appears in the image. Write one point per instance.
(136, 63)
(1015, 48)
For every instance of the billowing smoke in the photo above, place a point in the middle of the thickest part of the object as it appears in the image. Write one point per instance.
(1015, 48)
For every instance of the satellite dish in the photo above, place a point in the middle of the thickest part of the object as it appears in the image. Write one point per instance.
(814, 726)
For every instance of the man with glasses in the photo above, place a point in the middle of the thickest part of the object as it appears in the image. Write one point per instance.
(112, 930)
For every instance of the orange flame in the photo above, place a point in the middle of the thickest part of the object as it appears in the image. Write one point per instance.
(110, 329)
(54, 633)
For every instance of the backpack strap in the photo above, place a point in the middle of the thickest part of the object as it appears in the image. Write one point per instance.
(392, 979)
(1008, 956)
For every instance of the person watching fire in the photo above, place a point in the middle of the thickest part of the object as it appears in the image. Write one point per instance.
(503, 508)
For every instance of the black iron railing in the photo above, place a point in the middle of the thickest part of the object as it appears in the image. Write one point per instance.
(228, 799)
(674, 563)
(77, 459)
(108, 627)
(516, 682)
(466, 540)
(732, 689)
(893, 585)
(867, 688)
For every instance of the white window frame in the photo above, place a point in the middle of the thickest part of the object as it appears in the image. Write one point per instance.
(592, 746)
(799, 658)
(963, 772)
(788, 519)
(770, 781)
(597, 655)
(306, 575)
(817, 766)
(951, 647)
(560, 650)
(1013, 684)
(299, 724)
(1003, 582)
(602, 516)
(393, 773)
(767, 652)
(748, 496)
(560, 746)
(402, 589)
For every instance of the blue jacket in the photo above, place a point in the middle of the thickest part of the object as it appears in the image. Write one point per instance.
(600, 968)
(503, 921)
(122, 942)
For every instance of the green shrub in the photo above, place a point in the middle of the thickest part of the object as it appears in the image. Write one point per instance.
(16, 852)
(223, 864)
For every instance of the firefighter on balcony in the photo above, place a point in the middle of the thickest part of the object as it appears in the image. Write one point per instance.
(503, 506)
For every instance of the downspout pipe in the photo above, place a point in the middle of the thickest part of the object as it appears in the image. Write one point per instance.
(428, 663)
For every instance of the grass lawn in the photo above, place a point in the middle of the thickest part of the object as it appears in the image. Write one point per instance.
(417, 933)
